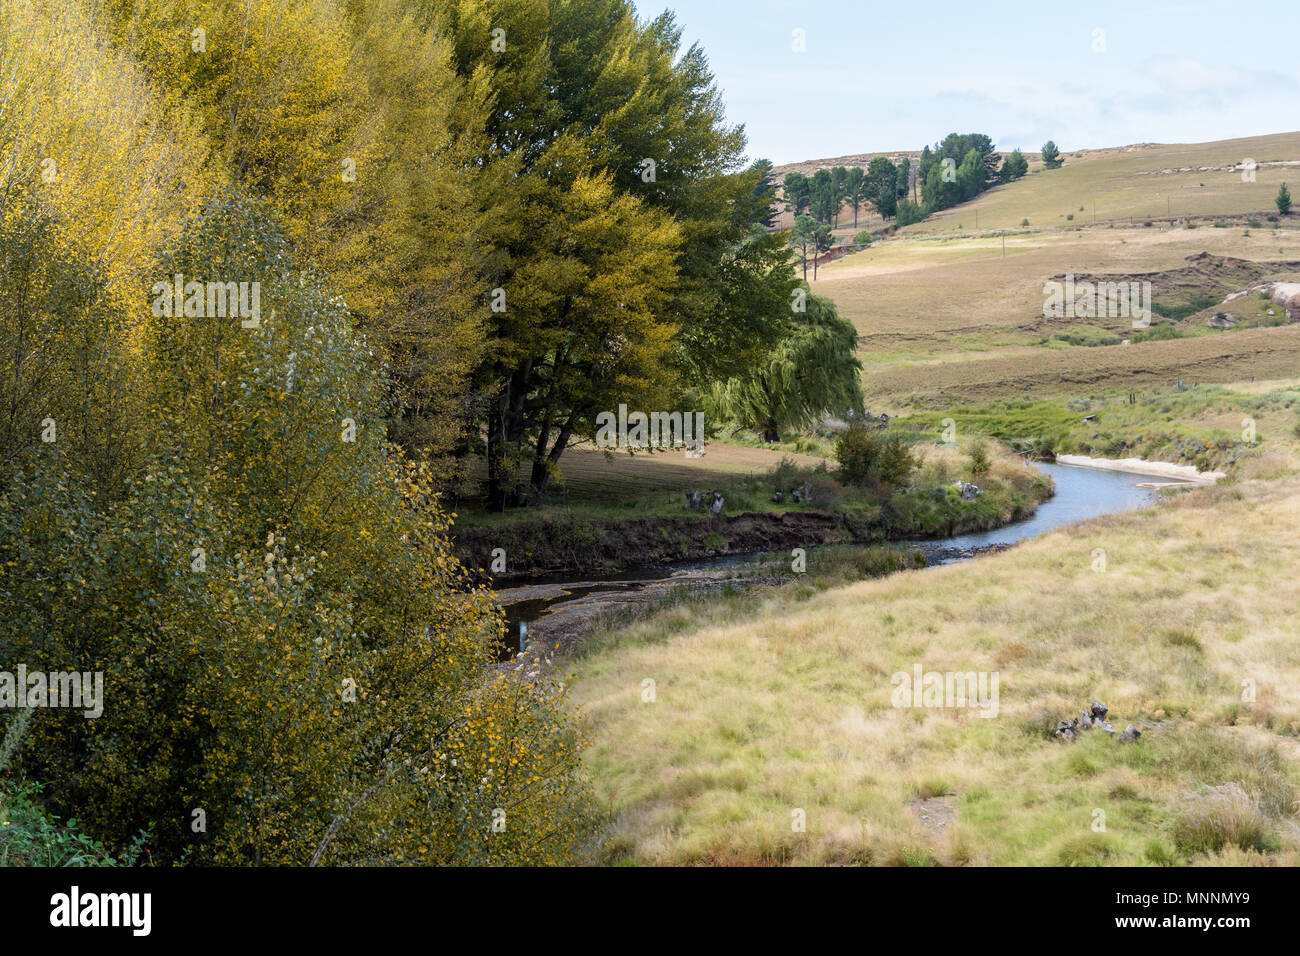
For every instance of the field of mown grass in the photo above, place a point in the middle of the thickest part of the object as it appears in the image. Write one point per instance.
(767, 706)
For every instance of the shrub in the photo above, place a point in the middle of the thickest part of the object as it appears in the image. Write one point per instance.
(1024, 222)
(979, 459)
(826, 495)
(867, 458)
(863, 238)
(286, 638)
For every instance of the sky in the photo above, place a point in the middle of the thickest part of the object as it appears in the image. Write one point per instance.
(882, 76)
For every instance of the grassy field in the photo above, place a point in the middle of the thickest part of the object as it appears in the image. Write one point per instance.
(1139, 182)
(766, 707)
(950, 313)
(772, 735)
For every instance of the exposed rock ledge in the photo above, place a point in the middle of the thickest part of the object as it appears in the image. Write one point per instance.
(1139, 466)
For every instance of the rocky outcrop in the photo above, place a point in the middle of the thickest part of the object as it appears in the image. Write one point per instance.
(1093, 718)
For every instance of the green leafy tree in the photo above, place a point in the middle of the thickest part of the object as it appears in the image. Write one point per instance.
(803, 239)
(910, 212)
(1283, 200)
(855, 190)
(869, 459)
(1051, 155)
(823, 192)
(882, 182)
(823, 241)
(266, 556)
(798, 192)
(813, 371)
(1015, 167)
(575, 103)
(840, 180)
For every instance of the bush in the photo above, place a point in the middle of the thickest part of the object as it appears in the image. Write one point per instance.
(826, 495)
(979, 459)
(863, 238)
(869, 459)
(286, 638)
(1024, 222)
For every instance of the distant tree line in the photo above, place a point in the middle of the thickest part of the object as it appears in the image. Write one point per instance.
(953, 171)
(824, 195)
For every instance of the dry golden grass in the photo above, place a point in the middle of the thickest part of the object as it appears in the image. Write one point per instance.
(1131, 182)
(763, 712)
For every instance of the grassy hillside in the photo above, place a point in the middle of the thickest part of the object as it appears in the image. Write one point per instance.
(1142, 182)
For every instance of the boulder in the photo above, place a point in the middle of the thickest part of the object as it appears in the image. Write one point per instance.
(1287, 295)
(1129, 735)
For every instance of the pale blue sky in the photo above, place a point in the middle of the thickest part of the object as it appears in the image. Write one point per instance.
(898, 75)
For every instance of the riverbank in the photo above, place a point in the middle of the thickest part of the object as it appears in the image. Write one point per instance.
(1178, 474)
(559, 541)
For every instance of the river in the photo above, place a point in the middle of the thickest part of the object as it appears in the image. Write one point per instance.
(1081, 493)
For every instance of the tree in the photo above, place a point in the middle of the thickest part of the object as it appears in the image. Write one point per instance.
(823, 241)
(811, 372)
(1051, 155)
(1283, 200)
(1014, 168)
(882, 180)
(803, 237)
(798, 192)
(266, 555)
(970, 175)
(909, 212)
(855, 190)
(351, 121)
(904, 177)
(823, 195)
(580, 92)
(839, 178)
(872, 461)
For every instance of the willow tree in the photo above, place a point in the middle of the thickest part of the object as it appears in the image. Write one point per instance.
(811, 372)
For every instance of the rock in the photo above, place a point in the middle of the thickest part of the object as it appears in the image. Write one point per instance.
(1222, 320)
(1106, 726)
(779, 497)
(1287, 295)
(718, 502)
(1129, 735)
(1098, 710)
(693, 500)
(1090, 418)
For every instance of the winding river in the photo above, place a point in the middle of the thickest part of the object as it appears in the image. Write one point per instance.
(1081, 493)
